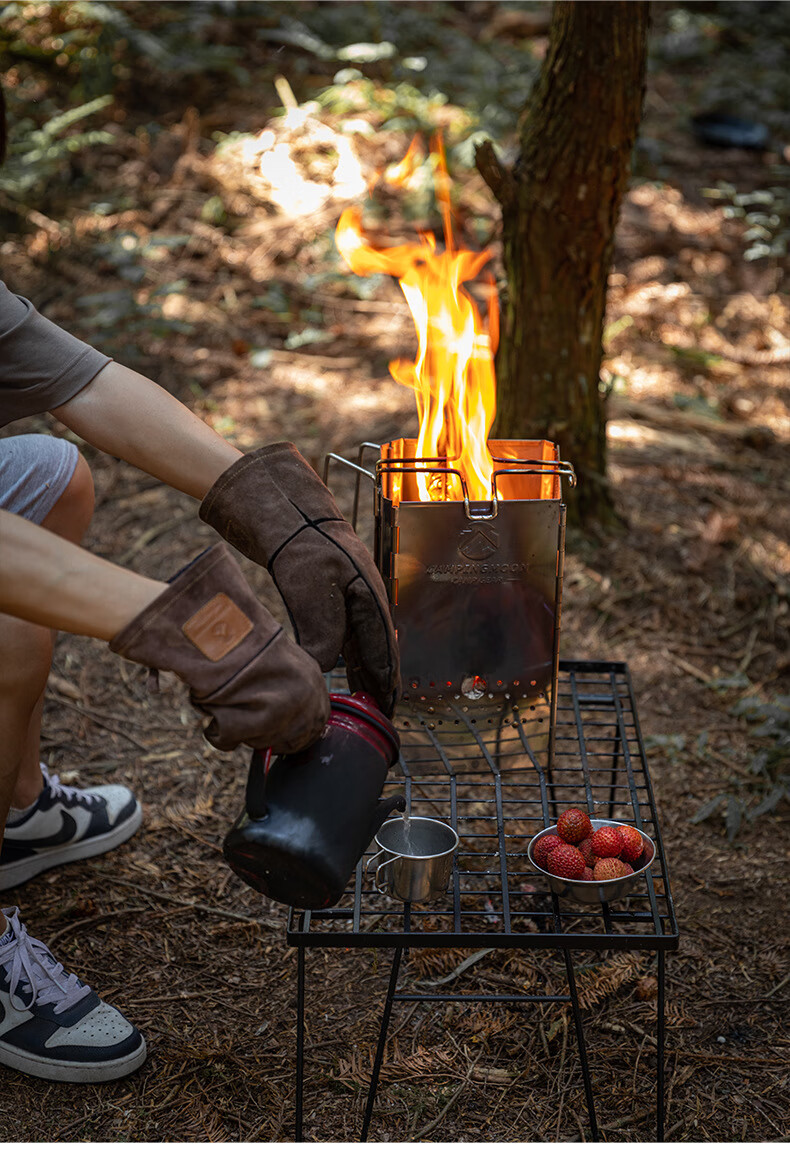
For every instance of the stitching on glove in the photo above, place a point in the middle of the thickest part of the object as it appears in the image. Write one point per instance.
(309, 524)
(372, 592)
(288, 610)
(320, 522)
(282, 545)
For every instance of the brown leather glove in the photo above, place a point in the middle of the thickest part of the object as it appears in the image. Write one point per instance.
(272, 507)
(242, 669)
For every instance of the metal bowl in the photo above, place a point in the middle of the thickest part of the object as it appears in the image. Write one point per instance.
(594, 893)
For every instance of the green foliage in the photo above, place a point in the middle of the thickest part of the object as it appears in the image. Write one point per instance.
(737, 51)
(770, 766)
(275, 299)
(399, 107)
(743, 47)
(765, 213)
(418, 58)
(110, 320)
(772, 725)
(306, 336)
(178, 47)
(95, 45)
(671, 746)
(66, 62)
(35, 156)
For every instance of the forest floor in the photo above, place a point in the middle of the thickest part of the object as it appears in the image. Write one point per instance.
(243, 310)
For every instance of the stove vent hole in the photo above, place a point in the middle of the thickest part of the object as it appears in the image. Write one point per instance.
(474, 687)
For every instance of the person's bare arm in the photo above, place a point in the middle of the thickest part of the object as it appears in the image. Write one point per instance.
(50, 581)
(133, 418)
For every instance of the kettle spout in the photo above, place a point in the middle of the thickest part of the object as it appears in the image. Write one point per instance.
(383, 810)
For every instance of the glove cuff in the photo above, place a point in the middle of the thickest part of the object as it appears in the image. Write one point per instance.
(215, 509)
(206, 625)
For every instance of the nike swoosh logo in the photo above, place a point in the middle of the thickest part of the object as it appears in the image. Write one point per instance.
(68, 828)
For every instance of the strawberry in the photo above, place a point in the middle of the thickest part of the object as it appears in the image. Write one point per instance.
(573, 826)
(606, 842)
(543, 848)
(565, 861)
(585, 849)
(632, 842)
(608, 868)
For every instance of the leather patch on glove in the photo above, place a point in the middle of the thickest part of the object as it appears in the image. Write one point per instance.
(217, 627)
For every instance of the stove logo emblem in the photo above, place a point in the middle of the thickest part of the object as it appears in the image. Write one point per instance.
(478, 543)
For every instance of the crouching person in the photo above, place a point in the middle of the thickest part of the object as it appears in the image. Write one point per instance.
(257, 687)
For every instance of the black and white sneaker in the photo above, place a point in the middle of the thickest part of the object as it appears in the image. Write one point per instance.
(64, 825)
(51, 1024)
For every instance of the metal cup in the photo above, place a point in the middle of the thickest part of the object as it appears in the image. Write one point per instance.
(417, 855)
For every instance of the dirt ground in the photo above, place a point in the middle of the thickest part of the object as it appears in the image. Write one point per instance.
(692, 591)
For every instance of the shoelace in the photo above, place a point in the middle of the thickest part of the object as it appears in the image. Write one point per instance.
(31, 964)
(67, 792)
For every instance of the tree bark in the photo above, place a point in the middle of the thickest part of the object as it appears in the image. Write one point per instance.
(560, 205)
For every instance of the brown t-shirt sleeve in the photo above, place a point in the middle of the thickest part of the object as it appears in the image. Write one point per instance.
(41, 366)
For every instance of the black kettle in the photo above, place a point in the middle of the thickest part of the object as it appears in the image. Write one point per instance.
(309, 817)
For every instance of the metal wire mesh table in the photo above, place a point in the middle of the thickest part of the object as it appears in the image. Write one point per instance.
(485, 769)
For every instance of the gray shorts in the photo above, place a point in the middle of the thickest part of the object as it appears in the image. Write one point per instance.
(34, 471)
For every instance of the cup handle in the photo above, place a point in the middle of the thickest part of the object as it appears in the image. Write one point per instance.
(381, 867)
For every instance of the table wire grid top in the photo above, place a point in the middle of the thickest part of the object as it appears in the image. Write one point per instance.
(484, 770)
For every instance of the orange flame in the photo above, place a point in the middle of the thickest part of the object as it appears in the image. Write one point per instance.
(453, 373)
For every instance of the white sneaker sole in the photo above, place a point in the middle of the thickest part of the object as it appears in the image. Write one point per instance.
(69, 1071)
(90, 847)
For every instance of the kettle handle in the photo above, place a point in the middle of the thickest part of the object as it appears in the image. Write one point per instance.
(255, 798)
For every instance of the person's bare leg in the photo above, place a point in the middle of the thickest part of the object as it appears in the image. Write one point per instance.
(49, 579)
(27, 649)
(25, 657)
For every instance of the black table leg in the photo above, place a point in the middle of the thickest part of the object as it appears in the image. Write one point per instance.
(299, 1042)
(385, 1023)
(577, 1019)
(660, 1051)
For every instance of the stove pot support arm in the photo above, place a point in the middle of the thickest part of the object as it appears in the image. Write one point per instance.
(272, 507)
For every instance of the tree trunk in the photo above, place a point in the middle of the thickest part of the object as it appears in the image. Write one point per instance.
(560, 205)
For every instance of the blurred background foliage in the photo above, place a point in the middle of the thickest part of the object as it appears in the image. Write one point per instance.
(73, 69)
